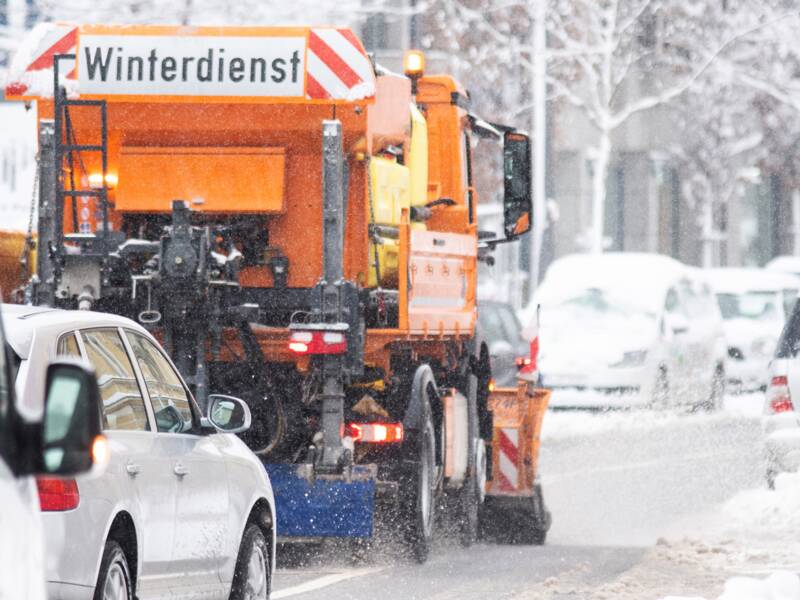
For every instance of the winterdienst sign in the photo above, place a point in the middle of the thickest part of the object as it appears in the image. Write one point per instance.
(192, 65)
(155, 63)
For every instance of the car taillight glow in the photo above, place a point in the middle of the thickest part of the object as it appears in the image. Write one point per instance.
(780, 399)
(100, 451)
(317, 342)
(376, 433)
(57, 494)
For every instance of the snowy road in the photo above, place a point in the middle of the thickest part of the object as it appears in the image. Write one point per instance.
(615, 483)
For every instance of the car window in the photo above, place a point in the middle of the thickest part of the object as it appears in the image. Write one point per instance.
(6, 439)
(68, 346)
(789, 299)
(695, 304)
(789, 342)
(123, 404)
(491, 323)
(169, 398)
(673, 302)
(510, 324)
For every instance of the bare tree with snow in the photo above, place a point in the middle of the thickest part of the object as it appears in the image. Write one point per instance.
(609, 59)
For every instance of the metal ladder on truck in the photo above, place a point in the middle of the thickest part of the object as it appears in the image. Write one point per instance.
(60, 153)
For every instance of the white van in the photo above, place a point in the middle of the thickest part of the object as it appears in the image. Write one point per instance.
(51, 437)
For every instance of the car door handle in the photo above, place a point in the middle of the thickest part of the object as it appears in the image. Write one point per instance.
(180, 470)
(133, 468)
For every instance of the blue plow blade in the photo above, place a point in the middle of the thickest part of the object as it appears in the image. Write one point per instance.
(330, 507)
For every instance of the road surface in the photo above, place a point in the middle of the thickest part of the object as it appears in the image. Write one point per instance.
(615, 484)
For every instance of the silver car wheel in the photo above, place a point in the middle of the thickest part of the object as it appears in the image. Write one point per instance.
(256, 584)
(116, 583)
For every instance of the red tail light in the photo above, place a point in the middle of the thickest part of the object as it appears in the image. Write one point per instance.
(778, 395)
(523, 361)
(376, 433)
(57, 494)
(317, 342)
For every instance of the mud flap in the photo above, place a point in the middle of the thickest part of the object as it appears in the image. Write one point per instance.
(324, 507)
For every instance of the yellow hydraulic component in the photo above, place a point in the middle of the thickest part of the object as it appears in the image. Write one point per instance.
(390, 194)
(391, 183)
(395, 187)
(417, 159)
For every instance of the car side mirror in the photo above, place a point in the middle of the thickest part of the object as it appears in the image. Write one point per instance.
(170, 420)
(71, 432)
(228, 414)
(517, 200)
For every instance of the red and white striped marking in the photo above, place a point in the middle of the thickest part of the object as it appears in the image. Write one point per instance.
(508, 459)
(31, 72)
(337, 66)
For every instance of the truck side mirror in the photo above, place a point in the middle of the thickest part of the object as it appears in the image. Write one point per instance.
(517, 202)
(71, 439)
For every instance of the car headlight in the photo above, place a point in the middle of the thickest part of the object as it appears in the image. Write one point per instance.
(735, 353)
(635, 358)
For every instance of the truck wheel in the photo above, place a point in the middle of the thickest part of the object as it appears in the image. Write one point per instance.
(540, 518)
(114, 579)
(469, 496)
(417, 510)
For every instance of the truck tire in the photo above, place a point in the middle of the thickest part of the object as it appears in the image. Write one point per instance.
(537, 520)
(114, 579)
(416, 512)
(469, 496)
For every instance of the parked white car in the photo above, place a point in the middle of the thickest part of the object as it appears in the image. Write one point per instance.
(50, 433)
(629, 329)
(785, 264)
(184, 508)
(755, 304)
(781, 418)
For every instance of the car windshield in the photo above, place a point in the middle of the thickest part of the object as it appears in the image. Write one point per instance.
(754, 306)
(598, 303)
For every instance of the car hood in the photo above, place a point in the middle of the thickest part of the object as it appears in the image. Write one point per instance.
(742, 333)
(578, 344)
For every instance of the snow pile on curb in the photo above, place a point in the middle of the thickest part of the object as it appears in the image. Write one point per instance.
(756, 531)
(767, 512)
(781, 585)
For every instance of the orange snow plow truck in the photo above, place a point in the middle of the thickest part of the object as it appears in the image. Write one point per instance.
(298, 226)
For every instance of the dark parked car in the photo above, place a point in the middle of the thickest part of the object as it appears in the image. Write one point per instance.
(502, 332)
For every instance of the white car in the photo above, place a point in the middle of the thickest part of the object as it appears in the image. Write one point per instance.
(785, 264)
(629, 329)
(781, 418)
(184, 508)
(53, 434)
(755, 304)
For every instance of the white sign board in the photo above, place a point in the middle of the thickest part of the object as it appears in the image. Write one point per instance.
(191, 65)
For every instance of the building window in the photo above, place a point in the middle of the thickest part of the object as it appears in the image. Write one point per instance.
(31, 13)
(375, 32)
